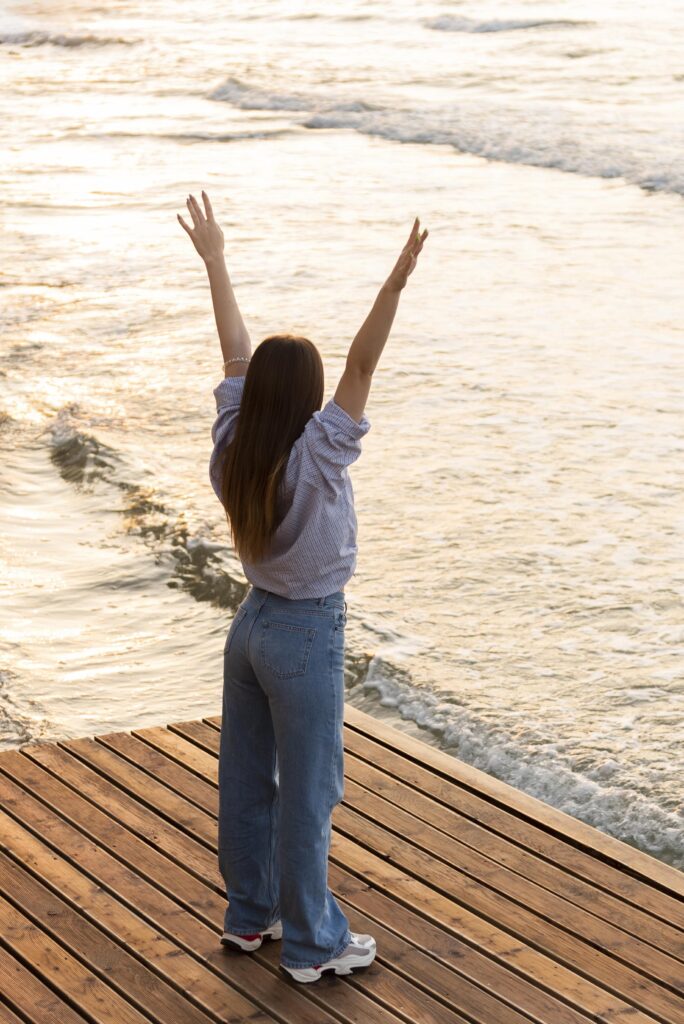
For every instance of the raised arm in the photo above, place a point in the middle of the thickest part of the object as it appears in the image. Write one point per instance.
(207, 238)
(366, 348)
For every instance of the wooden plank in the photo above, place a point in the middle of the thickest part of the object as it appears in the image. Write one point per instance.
(111, 962)
(31, 997)
(559, 943)
(92, 996)
(161, 835)
(176, 809)
(502, 866)
(440, 1015)
(517, 920)
(543, 815)
(499, 982)
(256, 976)
(194, 759)
(161, 767)
(8, 1016)
(481, 823)
(479, 1004)
(400, 989)
(196, 897)
(372, 791)
(76, 883)
(473, 924)
(200, 733)
(502, 822)
(662, 966)
(359, 999)
(361, 929)
(145, 789)
(445, 964)
(551, 975)
(591, 925)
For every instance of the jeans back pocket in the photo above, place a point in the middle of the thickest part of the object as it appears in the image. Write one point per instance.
(285, 648)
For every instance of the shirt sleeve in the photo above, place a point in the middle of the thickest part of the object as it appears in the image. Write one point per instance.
(331, 441)
(228, 395)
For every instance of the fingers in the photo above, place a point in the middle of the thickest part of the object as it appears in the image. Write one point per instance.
(420, 238)
(207, 206)
(411, 249)
(195, 212)
(413, 232)
(186, 227)
(418, 244)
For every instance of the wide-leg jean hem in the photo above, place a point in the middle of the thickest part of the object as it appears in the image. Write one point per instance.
(233, 932)
(325, 957)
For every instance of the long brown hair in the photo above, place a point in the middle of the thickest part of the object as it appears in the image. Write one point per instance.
(283, 387)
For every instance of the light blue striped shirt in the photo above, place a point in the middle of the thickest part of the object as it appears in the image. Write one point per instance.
(313, 550)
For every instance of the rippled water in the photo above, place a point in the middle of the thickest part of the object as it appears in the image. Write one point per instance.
(519, 594)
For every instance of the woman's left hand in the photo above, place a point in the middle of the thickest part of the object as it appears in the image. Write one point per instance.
(206, 236)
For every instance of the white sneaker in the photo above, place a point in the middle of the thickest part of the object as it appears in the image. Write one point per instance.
(359, 953)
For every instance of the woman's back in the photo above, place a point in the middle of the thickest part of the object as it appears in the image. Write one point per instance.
(313, 550)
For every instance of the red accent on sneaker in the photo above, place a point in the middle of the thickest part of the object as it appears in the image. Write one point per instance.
(250, 937)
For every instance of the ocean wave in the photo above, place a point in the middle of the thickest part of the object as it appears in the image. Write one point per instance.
(547, 137)
(196, 136)
(196, 563)
(80, 458)
(17, 725)
(252, 98)
(505, 136)
(38, 37)
(453, 23)
(531, 764)
(248, 97)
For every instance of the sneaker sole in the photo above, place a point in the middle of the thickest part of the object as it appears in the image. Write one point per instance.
(303, 975)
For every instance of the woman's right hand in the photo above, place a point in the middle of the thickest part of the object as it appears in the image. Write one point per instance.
(207, 236)
(407, 259)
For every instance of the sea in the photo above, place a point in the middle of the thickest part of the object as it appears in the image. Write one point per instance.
(518, 600)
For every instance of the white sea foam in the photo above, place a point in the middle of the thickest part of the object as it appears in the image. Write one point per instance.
(248, 97)
(15, 31)
(39, 37)
(532, 764)
(547, 136)
(548, 139)
(452, 23)
(252, 98)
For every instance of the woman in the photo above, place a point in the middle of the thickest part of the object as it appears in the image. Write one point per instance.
(279, 467)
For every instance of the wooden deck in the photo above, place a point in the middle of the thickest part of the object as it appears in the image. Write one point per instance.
(488, 906)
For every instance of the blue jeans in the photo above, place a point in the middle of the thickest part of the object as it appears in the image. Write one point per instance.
(281, 770)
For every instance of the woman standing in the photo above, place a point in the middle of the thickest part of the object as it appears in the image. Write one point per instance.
(279, 467)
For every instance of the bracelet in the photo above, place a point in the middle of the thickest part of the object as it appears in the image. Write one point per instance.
(237, 359)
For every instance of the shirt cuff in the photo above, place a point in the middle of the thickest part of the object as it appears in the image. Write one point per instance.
(229, 392)
(337, 415)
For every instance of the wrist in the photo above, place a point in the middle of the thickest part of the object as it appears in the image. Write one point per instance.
(215, 262)
(387, 289)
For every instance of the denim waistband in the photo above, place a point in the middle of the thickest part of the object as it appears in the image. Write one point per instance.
(334, 600)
